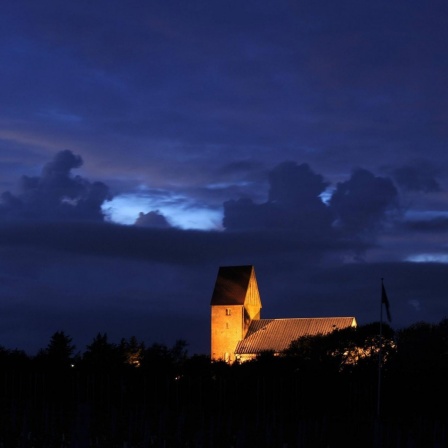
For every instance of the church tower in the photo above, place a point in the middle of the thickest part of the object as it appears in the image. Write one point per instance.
(235, 304)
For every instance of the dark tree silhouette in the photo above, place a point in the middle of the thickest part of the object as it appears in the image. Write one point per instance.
(102, 354)
(313, 354)
(159, 359)
(179, 352)
(13, 359)
(59, 352)
(421, 347)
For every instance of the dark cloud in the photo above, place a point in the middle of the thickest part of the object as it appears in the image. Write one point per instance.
(243, 213)
(56, 195)
(240, 168)
(295, 184)
(357, 209)
(293, 203)
(152, 219)
(419, 175)
(436, 225)
(361, 204)
(174, 246)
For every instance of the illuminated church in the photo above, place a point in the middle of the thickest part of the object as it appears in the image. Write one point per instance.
(237, 330)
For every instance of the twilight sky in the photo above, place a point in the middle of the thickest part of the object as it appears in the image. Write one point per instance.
(143, 144)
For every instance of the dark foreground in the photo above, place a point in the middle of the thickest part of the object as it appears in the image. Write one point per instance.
(216, 406)
(321, 392)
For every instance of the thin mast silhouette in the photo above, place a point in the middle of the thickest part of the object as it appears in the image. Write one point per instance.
(384, 301)
(378, 398)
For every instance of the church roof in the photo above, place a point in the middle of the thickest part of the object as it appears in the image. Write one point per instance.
(231, 285)
(276, 334)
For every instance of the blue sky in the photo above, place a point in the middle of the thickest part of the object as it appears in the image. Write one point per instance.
(144, 144)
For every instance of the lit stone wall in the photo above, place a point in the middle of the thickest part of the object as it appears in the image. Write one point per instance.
(226, 330)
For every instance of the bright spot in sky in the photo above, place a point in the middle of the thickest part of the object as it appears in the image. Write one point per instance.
(326, 195)
(179, 211)
(428, 258)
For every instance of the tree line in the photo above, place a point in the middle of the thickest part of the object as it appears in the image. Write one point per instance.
(101, 353)
(420, 348)
(321, 391)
